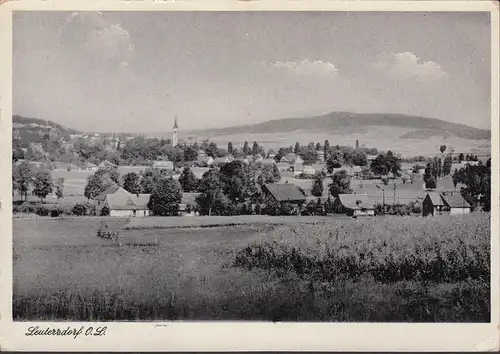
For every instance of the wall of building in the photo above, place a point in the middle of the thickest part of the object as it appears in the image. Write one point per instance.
(128, 213)
(459, 211)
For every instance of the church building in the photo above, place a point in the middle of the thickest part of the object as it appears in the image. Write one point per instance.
(175, 139)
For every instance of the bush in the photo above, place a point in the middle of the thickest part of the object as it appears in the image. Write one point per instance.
(105, 211)
(42, 211)
(54, 213)
(79, 209)
(26, 207)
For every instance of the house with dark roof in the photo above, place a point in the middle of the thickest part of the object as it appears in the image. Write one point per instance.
(355, 205)
(99, 200)
(445, 203)
(285, 193)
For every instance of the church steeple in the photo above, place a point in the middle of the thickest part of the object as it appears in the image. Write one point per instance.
(174, 137)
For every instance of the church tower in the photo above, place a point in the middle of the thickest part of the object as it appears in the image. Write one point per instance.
(175, 140)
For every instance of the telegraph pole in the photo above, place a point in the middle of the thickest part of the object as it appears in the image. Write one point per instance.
(394, 201)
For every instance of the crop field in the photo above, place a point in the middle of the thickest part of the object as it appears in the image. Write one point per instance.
(375, 269)
(74, 181)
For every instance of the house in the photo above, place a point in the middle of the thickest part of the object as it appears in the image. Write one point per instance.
(123, 170)
(283, 166)
(356, 205)
(285, 193)
(164, 165)
(91, 167)
(187, 203)
(308, 170)
(127, 205)
(210, 161)
(298, 169)
(99, 200)
(456, 204)
(433, 204)
(290, 157)
(223, 160)
(199, 171)
(266, 162)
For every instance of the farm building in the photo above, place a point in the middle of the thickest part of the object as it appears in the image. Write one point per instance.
(433, 204)
(266, 162)
(445, 203)
(186, 204)
(456, 203)
(124, 205)
(355, 205)
(99, 200)
(285, 193)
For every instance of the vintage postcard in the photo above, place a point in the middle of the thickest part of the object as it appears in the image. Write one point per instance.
(216, 175)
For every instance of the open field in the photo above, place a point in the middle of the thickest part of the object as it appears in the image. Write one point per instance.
(214, 221)
(62, 271)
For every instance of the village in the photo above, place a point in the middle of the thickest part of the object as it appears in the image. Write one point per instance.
(302, 180)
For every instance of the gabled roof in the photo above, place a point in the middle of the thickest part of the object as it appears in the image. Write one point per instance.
(355, 201)
(436, 199)
(127, 202)
(110, 190)
(284, 192)
(455, 200)
(266, 161)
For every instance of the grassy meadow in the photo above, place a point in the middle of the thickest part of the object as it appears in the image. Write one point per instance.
(394, 269)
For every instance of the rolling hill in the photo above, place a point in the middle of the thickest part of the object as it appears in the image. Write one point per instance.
(348, 123)
(31, 130)
(408, 135)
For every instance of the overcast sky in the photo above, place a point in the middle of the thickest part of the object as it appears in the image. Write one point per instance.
(133, 71)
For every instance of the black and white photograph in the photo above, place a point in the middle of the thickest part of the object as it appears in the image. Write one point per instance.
(276, 166)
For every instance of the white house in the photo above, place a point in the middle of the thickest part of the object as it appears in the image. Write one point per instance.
(164, 165)
(309, 171)
(122, 203)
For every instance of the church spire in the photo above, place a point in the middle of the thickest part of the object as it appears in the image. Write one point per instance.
(175, 123)
(175, 140)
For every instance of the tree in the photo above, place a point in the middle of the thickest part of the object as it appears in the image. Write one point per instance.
(442, 148)
(385, 163)
(359, 158)
(212, 150)
(131, 183)
(60, 188)
(229, 147)
(23, 177)
(245, 148)
(308, 154)
(94, 187)
(210, 186)
(190, 153)
(42, 185)
(188, 180)
(357, 144)
(447, 164)
(431, 183)
(334, 161)
(318, 146)
(317, 187)
(341, 184)
(255, 148)
(326, 148)
(461, 157)
(165, 197)
(149, 179)
(296, 149)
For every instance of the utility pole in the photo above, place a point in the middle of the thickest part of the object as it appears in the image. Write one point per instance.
(383, 200)
(394, 201)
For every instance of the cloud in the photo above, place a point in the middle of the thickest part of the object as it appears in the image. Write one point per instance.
(407, 66)
(307, 67)
(101, 40)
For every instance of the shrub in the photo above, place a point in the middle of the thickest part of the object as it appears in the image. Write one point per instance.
(79, 209)
(105, 211)
(54, 213)
(42, 211)
(26, 207)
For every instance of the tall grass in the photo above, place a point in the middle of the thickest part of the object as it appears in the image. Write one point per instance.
(445, 249)
(62, 271)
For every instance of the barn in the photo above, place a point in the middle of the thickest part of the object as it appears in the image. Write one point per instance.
(433, 204)
(285, 193)
(445, 203)
(456, 204)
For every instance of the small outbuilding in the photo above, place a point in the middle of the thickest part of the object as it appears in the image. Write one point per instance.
(433, 204)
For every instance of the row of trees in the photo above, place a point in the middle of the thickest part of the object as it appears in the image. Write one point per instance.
(437, 168)
(477, 183)
(38, 182)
